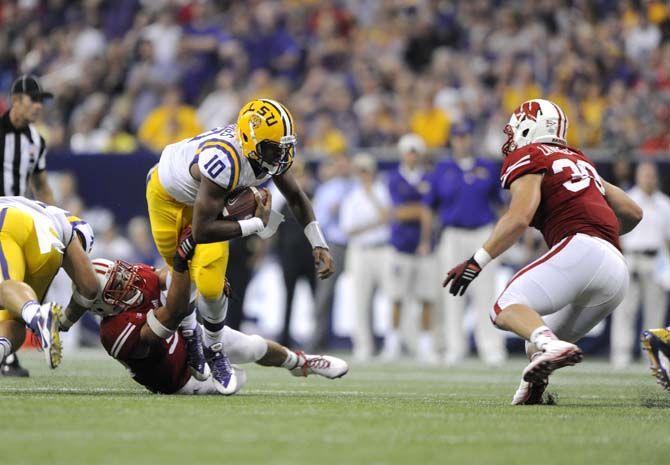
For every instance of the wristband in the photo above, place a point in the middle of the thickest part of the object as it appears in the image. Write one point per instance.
(251, 226)
(157, 327)
(482, 257)
(81, 300)
(315, 235)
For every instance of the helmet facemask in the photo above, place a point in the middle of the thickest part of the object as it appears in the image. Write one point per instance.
(275, 158)
(123, 289)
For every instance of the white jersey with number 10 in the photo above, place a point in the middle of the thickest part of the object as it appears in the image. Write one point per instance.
(218, 155)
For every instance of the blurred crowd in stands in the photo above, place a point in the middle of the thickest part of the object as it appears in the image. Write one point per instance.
(355, 73)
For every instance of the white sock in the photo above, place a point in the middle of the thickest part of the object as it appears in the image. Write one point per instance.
(291, 361)
(541, 336)
(189, 322)
(5, 348)
(211, 337)
(213, 313)
(29, 310)
(425, 342)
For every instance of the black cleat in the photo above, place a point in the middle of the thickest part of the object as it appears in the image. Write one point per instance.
(11, 367)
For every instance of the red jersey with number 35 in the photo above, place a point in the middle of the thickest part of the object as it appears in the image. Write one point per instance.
(164, 368)
(573, 194)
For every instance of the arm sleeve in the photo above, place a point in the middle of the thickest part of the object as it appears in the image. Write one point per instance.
(120, 334)
(219, 163)
(520, 163)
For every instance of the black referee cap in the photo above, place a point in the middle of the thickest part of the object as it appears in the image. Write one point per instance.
(29, 85)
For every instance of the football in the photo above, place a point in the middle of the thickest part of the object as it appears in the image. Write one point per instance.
(241, 204)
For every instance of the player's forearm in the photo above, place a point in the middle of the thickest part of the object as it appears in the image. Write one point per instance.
(627, 211)
(507, 231)
(177, 301)
(71, 315)
(213, 230)
(296, 198)
(301, 207)
(164, 321)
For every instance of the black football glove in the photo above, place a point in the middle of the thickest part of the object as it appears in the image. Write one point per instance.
(461, 276)
(184, 252)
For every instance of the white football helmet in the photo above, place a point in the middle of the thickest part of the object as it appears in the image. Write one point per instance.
(120, 286)
(535, 121)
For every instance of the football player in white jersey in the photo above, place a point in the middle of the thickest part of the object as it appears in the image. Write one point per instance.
(189, 186)
(35, 241)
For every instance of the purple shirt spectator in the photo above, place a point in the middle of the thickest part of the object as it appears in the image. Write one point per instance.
(463, 197)
(406, 235)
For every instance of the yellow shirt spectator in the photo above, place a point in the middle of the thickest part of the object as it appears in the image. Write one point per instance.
(513, 96)
(171, 122)
(325, 138)
(574, 135)
(433, 125)
(592, 110)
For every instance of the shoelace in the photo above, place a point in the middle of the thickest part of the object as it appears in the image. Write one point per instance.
(317, 362)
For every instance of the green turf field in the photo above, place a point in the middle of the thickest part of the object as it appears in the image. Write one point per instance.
(89, 412)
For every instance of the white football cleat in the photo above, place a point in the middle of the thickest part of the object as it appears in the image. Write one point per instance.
(323, 365)
(45, 327)
(555, 354)
(530, 393)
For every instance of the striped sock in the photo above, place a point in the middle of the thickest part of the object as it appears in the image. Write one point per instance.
(29, 310)
(5, 348)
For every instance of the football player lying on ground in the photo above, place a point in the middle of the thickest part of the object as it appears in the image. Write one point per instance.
(555, 300)
(143, 335)
(656, 343)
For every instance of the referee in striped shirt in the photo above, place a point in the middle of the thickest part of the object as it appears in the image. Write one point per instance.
(23, 160)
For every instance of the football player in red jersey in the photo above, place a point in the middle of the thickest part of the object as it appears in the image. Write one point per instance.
(157, 356)
(555, 300)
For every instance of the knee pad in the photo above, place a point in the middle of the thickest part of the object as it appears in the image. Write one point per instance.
(243, 348)
(213, 311)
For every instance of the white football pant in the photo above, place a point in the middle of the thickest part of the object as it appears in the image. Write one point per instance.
(574, 286)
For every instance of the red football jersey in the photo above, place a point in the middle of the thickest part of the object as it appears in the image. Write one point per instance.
(573, 195)
(164, 369)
